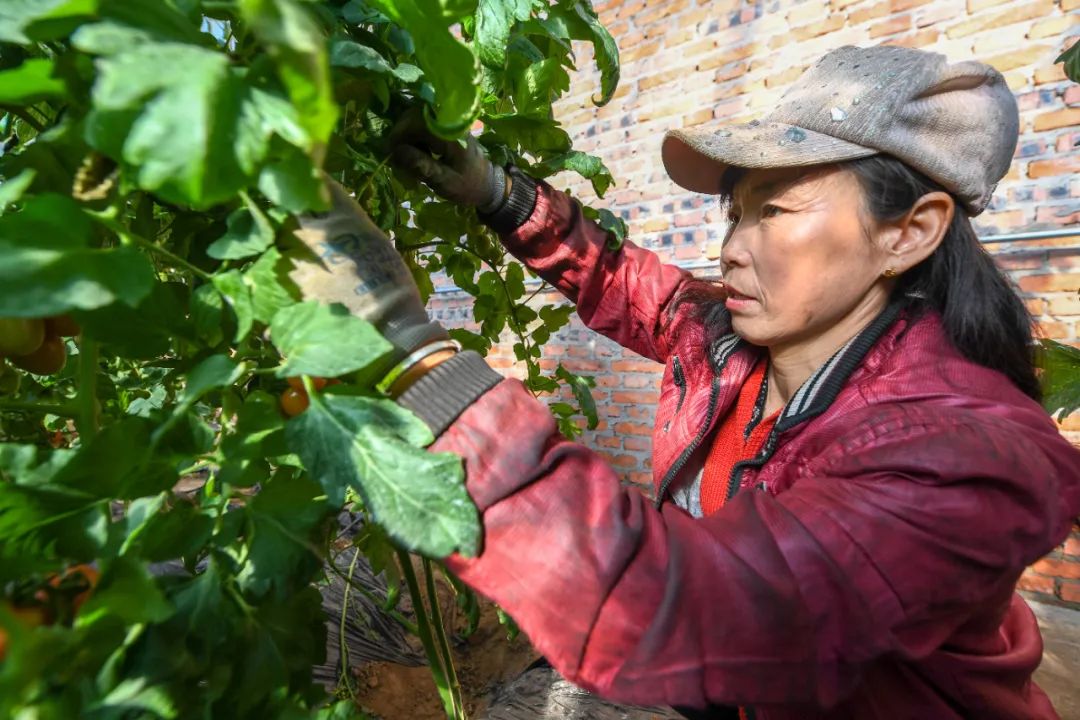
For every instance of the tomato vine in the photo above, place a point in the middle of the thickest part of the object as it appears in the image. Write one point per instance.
(155, 157)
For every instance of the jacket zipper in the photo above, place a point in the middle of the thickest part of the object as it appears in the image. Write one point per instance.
(714, 394)
(762, 457)
(680, 381)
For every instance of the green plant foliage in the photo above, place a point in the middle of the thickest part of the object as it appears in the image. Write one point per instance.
(1060, 366)
(155, 157)
(1071, 58)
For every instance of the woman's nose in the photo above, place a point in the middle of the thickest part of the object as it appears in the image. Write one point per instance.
(734, 252)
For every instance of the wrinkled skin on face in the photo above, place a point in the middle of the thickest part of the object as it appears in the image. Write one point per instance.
(804, 263)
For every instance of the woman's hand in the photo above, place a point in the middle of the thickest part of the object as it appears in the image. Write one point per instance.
(457, 170)
(347, 259)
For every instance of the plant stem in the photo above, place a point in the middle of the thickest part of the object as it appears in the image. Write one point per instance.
(444, 644)
(125, 235)
(371, 178)
(401, 619)
(87, 398)
(423, 627)
(344, 647)
(38, 407)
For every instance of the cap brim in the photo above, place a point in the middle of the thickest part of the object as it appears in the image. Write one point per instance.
(696, 159)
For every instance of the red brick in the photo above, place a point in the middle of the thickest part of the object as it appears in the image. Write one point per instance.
(1065, 304)
(785, 77)
(609, 442)
(1036, 306)
(1051, 27)
(658, 11)
(1015, 14)
(917, 40)
(637, 443)
(1072, 545)
(644, 50)
(719, 58)
(1054, 330)
(1036, 583)
(630, 428)
(1050, 283)
(637, 398)
(1058, 568)
(635, 366)
(806, 32)
(974, 6)
(661, 78)
(1052, 74)
(1057, 215)
(1070, 592)
(642, 478)
(1024, 262)
(1055, 166)
(1019, 58)
(893, 25)
(624, 461)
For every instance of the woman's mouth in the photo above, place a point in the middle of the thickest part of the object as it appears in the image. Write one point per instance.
(737, 301)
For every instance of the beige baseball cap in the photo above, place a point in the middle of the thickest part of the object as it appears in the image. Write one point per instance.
(957, 123)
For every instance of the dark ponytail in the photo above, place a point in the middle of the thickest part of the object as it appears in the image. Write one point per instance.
(982, 314)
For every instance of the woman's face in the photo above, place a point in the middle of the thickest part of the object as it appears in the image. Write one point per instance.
(800, 260)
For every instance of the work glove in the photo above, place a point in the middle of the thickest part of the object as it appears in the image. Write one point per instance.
(460, 171)
(348, 259)
(353, 262)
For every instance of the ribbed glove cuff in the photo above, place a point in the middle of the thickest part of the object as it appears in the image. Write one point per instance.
(443, 393)
(513, 213)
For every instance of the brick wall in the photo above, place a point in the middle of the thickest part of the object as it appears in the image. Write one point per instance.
(692, 62)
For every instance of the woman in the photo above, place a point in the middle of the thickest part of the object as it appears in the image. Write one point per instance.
(851, 466)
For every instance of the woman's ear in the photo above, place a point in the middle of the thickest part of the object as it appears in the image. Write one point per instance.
(914, 237)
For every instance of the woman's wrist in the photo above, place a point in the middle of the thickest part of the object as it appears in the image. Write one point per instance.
(418, 370)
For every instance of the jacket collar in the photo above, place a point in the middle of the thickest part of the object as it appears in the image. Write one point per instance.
(820, 390)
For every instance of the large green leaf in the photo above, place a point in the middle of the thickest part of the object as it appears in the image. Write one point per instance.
(298, 48)
(24, 20)
(373, 446)
(1071, 60)
(119, 463)
(575, 19)
(1060, 378)
(283, 517)
(184, 122)
(126, 591)
(30, 82)
(587, 166)
(450, 66)
(324, 340)
(494, 18)
(248, 232)
(47, 268)
(271, 287)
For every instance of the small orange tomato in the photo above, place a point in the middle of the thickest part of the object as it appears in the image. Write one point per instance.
(85, 584)
(48, 359)
(294, 402)
(62, 325)
(20, 336)
(297, 383)
(29, 617)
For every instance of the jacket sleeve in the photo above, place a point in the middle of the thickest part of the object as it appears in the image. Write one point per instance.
(623, 294)
(775, 599)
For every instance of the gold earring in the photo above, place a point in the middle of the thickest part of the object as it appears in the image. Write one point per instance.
(889, 273)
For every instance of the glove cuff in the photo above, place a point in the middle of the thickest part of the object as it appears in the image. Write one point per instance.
(407, 334)
(445, 391)
(518, 206)
(496, 191)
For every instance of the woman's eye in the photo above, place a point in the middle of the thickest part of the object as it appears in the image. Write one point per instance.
(767, 210)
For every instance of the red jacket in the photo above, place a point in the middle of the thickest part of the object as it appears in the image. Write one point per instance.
(865, 569)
